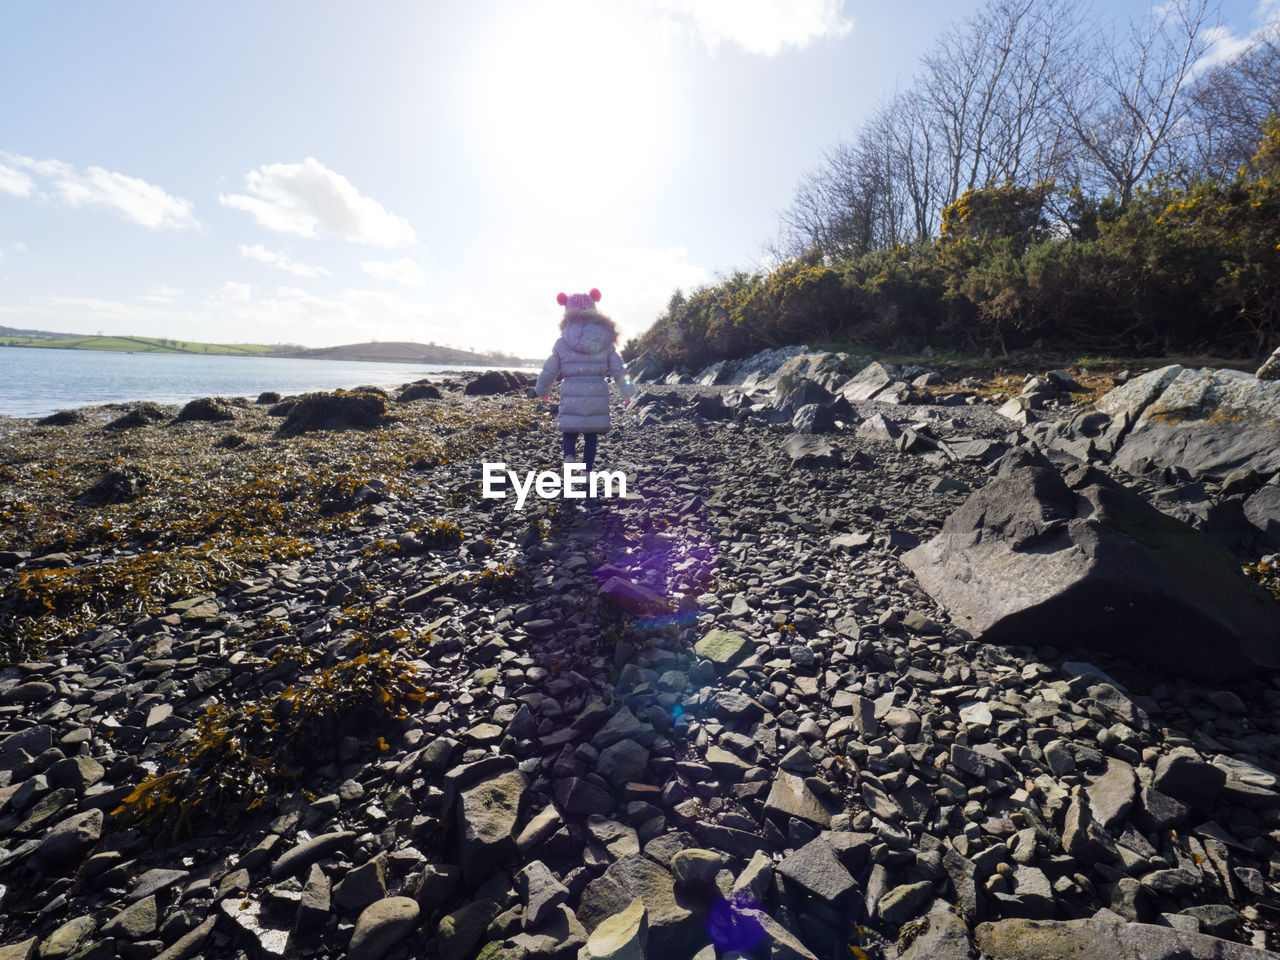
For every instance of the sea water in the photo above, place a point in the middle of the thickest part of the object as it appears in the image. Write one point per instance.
(37, 381)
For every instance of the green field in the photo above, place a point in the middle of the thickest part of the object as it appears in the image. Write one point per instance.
(138, 345)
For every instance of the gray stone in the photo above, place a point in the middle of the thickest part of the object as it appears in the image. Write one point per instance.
(135, 922)
(790, 796)
(724, 648)
(903, 902)
(362, 885)
(622, 936)
(540, 892)
(1111, 795)
(808, 452)
(381, 926)
(1208, 422)
(1083, 839)
(674, 921)
(1095, 939)
(458, 932)
(314, 904)
(1262, 510)
(1086, 561)
(872, 379)
(67, 938)
(1183, 775)
(624, 760)
(301, 856)
(695, 867)
(816, 868)
(71, 839)
(945, 937)
(486, 817)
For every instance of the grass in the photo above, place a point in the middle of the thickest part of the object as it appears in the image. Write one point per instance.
(139, 345)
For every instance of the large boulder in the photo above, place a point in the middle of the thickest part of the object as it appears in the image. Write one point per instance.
(793, 393)
(207, 409)
(335, 411)
(826, 369)
(1208, 422)
(872, 379)
(1035, 557)
(493, 382)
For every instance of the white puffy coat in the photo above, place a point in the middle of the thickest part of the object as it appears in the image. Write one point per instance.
(583, 357)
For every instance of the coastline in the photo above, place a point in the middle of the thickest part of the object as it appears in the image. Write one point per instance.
(731, 671)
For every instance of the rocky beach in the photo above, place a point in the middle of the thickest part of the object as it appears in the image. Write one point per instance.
(868, 663)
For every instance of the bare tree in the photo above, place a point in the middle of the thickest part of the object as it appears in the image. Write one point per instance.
(990, 85)
(1128, 103)
(1230, 102)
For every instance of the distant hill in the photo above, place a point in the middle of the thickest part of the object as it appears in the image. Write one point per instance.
(405, 352)
(389, 352)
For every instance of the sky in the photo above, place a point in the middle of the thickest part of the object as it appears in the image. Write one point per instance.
(318, 173)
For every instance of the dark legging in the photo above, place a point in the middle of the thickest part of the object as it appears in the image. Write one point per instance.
(588, 448)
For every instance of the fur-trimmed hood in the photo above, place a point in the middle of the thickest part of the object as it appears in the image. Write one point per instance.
(589, 332)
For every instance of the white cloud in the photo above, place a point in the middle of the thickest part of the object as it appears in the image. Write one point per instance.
(16, 182)
(136, 200)
(401, 271)
(236, 292)
(1224, 46)
(764, 27)
(309, 199)
(161, 294)
(262, 254)
(19, 248)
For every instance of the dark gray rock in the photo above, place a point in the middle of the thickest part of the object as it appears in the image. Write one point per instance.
(815, 867)
(1183, 775)
(381, 926)
(1085, 561)
(70, 840)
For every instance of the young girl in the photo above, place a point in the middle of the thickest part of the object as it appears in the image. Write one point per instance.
(583, 356)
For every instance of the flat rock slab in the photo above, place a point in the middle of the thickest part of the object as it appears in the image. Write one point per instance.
(1081, 559)
(1209, 422)
(1092, 939)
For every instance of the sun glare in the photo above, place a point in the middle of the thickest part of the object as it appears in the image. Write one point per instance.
(574, 107)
